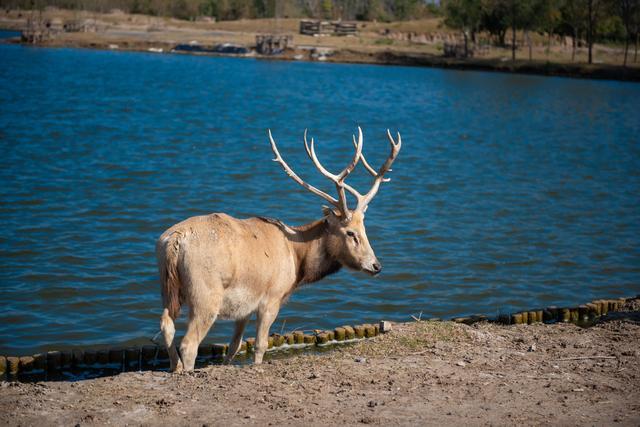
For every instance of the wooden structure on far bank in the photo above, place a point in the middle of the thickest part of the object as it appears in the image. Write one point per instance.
(40, 29)
(273, 44)
(312, 27)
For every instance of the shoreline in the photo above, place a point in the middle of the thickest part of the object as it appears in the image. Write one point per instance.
(423, 372)
(386, 58)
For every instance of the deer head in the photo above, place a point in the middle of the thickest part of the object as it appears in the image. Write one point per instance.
(347, 240)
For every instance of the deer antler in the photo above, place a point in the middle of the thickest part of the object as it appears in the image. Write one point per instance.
(339, 179)
(379, 178)
(295, 177)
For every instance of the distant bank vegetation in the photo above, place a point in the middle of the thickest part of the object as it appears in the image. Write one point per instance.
(585, 22)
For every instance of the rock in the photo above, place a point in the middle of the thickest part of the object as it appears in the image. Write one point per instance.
(385, 326)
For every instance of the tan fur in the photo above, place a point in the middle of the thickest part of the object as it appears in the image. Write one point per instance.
(220, 266)
(224, 267)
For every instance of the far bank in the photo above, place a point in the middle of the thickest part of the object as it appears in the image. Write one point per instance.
(410, 43)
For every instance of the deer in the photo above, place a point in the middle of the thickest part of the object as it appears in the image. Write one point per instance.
(227, 268)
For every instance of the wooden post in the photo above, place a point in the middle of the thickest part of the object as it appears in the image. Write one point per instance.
(66, 359)
(565, 314)
(592, 310)
(574, 314)
(77, 357)
(90, 357)
(40, 362)
(163, 353)
(298, 337)
(103, 357)
(309, 339)
(604, 307)
(369, 331)
(289, 339)
(339, 333)
(322, 338)
(116, 356)
(217, 350)
(385, 326)
(251, 345)
(3, 365)
(583, 313)
(525, 317)
(26, 364)
(359, 330)
(278, 340)
(516, 318)
(148, 354)
(504, 319)
(349, 332)
(53, 361)
(13, 365)
(132, 358)
(539, 316)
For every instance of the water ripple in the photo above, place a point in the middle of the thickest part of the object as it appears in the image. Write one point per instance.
(510, 192)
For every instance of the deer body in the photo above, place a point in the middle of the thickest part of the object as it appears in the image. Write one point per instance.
(223, 267)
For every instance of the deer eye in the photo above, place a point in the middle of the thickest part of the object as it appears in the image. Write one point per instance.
(353, 236)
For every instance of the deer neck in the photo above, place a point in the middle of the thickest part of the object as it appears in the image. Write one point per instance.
(312, 255)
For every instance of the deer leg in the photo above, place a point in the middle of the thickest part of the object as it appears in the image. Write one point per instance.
(266, 316)
(203, 312)
(168, 332)
(237, 339)
(199, 324)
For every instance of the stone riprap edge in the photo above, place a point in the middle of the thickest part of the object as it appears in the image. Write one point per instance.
(154, 356)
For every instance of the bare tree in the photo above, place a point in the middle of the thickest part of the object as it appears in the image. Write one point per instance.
(628, 10)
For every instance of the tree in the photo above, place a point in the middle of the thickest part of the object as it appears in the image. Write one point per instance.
(464, 15)
(573, 17)
(628, 9)
(550, 18)
(494, 19)
(404, 9)
(594, 9)
(517, 10)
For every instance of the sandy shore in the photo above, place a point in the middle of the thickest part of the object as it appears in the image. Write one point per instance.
(420, 373)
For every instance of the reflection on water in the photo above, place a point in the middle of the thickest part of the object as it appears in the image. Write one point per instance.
(510, 191)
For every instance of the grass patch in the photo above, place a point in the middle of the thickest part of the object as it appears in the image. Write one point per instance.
(383, 42)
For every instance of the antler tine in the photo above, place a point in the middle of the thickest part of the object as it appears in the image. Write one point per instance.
(311, 152)
(366, 164)
(386, 167)
(295, 177)
(338, 180)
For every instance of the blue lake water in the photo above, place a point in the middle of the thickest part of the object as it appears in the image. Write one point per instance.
(510, 191)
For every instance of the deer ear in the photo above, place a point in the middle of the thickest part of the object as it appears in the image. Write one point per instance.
(327, 211)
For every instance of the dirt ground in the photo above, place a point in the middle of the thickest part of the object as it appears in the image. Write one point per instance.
(420, 373)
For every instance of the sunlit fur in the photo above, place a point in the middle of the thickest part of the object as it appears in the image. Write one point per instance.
(220, 266)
